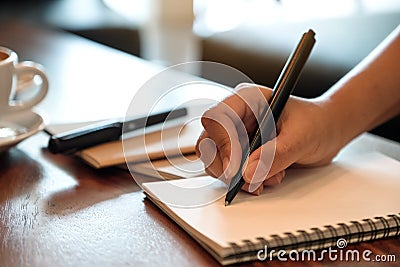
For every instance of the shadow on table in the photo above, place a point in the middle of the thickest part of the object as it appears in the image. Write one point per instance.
(84, 186)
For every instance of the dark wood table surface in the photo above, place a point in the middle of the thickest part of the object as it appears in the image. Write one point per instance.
(57, 211)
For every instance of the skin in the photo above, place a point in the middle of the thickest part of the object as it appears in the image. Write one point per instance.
(310, 132)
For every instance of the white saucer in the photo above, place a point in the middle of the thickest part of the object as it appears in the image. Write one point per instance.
(18, 126)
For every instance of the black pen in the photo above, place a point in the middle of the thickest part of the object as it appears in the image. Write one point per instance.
(280, 95)
(92, 135)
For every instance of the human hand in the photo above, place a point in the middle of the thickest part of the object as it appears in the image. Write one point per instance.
(306, 136)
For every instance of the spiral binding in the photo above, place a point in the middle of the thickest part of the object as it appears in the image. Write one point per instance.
(319, 238)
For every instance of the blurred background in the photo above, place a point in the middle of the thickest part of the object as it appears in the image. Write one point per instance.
(253, 36)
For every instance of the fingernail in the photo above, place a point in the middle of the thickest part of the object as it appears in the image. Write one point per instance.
(257, 170)
(256, 189)
(207, 151)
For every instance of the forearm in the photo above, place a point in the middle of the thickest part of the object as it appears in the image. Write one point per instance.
(368, 95)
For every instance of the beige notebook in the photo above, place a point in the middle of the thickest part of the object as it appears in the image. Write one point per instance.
(355, 198)
(176, 140)
(171, 168)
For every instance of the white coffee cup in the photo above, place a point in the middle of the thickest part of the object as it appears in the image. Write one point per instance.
(10, 70)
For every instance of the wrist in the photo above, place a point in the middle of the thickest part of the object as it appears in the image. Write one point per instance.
(338, 130)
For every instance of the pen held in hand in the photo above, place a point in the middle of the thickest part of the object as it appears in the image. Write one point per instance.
(281, 93)
(109, 131)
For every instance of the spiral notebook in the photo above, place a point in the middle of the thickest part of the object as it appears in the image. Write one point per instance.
(356, 198)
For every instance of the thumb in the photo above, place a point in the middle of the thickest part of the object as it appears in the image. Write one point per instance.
(258, 165)
(287, 152)
(271, 159)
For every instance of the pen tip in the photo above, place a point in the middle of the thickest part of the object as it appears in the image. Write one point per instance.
(226, 203)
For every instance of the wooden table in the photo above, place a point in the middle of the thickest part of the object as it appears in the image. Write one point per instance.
(55, 210)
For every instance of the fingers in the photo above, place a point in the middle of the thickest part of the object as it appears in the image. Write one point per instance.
(224, 136)
(259, 164)
(268, 163)
(288, 149)
(272, 181)
(227, 125)
(275, 180)
(256, 192)
(301, 139)
(226, 133)
(207, 152)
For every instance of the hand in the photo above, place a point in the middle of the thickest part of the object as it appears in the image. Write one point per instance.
(306, 136)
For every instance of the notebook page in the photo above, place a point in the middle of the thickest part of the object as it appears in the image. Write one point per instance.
(349, 189)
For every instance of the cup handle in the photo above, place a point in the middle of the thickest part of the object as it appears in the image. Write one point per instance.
(32, 67)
